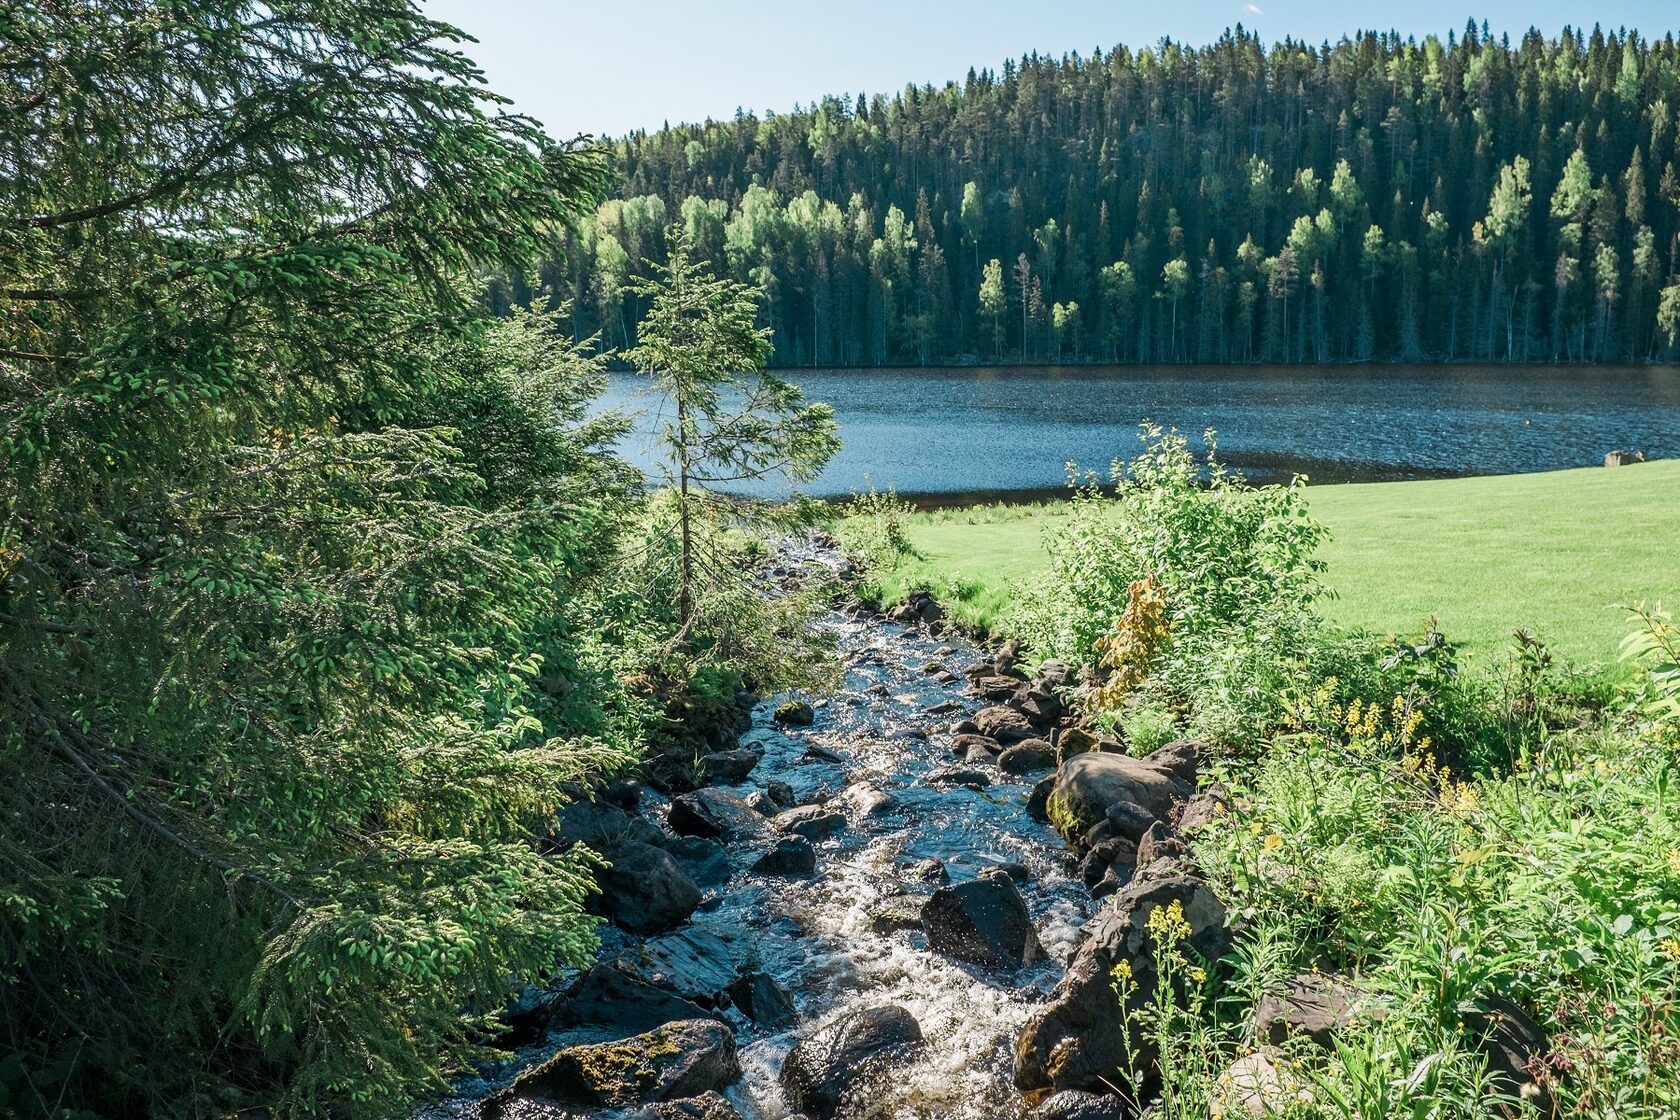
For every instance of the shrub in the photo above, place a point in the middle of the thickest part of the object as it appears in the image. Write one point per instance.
(871, 527)
(1233, 563)
(1555, 886)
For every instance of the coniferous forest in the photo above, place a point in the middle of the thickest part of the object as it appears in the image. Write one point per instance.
(1380, 198)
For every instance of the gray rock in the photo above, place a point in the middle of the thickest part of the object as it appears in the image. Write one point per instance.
(1004, 724)
(645, 890)
(709, 1105)
(792, 855)
(1256, 1084)
(961, 745)
(837, 1067)
(796, 713)
(1088, 784)
(1513, 1044)
(1039, 799)
(758, 997)
(714, 813)
(781, 793)
(925, 871)
(865, 801)
(611, 1004)
(814, 822)
(1308, 1006)
(983, 921)
(1026, 756)
(601, 826)
(1038, 702)
(995, 688)
(727, 767)
(1203, 810)
(1161, 842)
(705, 860)
(675, 1060)
(1057, 674)
(1079, 1039)
(958, 775)
(694, 963)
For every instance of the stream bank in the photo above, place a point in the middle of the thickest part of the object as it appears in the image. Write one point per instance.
(870, 878)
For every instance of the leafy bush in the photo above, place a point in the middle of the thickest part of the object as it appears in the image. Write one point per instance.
(1655, 646)
(1352, 849)
(871, 527)
(1233, 563)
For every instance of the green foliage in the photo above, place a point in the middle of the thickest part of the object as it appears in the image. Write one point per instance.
(731, 421)
(295, 543)
(1656, 647)
(744, 630)
(1556, 886)
(1374, 197)
(1235, 564)
(871, 527)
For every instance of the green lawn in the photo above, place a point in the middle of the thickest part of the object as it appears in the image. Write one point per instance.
(1553, 552)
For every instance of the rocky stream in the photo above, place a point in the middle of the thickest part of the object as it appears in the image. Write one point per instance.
(860, 908)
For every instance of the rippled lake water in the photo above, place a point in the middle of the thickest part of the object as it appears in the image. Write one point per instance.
(1011, 429)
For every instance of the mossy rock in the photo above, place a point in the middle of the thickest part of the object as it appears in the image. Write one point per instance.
(681, 1059)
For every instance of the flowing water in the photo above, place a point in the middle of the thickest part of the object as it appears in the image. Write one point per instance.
(887, 725)
(1010, 430)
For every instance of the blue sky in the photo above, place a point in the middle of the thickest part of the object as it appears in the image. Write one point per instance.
(607, 66)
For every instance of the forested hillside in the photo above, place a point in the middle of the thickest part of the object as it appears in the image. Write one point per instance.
(1379, 198)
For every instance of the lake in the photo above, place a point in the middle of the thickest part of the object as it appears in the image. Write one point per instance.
(949, 434)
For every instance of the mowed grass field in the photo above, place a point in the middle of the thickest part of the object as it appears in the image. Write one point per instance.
(1555, 552)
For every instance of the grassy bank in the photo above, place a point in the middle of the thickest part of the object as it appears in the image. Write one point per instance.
(1554, 552)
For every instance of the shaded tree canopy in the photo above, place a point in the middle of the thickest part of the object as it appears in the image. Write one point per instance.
(292, 540)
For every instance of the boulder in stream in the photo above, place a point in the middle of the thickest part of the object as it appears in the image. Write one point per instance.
(792, 855)
(1088, 784)
(705, 860)
(1004, 724)
(1078, 1040)
(795, 713)
(983, 921)
(709, 1105)
(1026, 756)
(645, 890)
(672, 1061)
(814, 822)
(713, 813)
(758, 997)
(834, 1070)
(611, 1004)
(727, 767)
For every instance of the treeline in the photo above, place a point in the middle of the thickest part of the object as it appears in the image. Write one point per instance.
(1380, 198)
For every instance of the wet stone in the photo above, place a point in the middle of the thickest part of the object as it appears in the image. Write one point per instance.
(758, 997)
(842, 1065)
(958, 775)
(672, 1061)
(792, 855)
(713, 813)
(814, 822)
(983, 921)
(796, 713)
